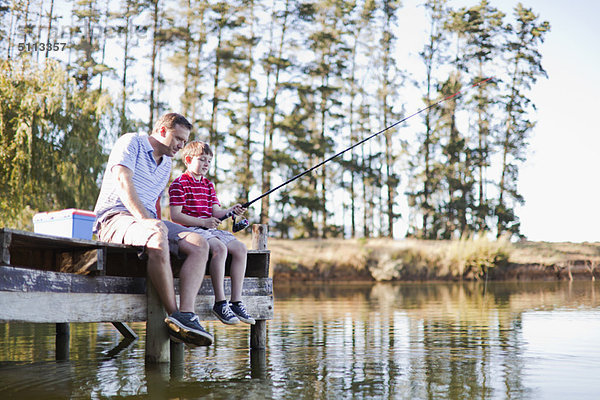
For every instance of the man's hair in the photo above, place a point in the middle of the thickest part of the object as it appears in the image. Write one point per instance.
(196, 149)
(171, 120)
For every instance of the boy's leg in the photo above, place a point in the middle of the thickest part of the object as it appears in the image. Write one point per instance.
(218, 253)
(238, 253)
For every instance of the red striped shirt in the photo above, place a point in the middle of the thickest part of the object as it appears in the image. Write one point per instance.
(196, 196)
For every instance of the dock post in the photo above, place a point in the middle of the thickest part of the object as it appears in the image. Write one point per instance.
(63, 335)
(258, 331)
(157, 336)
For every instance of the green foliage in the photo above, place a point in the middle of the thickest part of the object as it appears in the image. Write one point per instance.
(50, 152)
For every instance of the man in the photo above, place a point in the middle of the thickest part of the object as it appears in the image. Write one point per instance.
(137, 172)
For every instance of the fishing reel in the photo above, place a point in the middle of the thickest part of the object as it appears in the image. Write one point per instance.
(239, 225)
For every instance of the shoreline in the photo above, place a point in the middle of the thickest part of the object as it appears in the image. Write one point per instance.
(382, 259)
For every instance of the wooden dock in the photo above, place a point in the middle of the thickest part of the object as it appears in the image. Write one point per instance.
(60, 280)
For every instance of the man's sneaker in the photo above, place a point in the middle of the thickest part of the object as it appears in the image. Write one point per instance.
(240, 311)
(223, 312)
(184, 327)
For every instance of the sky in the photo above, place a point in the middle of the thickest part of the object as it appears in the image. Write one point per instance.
(559, 178)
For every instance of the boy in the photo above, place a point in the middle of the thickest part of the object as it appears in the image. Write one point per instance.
(193, 203)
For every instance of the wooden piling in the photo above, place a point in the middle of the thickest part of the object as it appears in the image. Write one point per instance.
(63, 338)
(258, 331)
(157, 336)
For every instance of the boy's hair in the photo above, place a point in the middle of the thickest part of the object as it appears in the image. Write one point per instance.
(195, 149)
(171, 120)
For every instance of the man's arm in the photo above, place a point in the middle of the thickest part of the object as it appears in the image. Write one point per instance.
(128, 194)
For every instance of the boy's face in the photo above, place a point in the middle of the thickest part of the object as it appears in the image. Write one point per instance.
(198, 165)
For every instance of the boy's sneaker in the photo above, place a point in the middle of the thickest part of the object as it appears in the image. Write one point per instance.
(223, 312)
(240, 311)
(184, 327)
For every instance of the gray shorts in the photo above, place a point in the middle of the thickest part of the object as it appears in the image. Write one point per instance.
(224, 236)
(124, 228)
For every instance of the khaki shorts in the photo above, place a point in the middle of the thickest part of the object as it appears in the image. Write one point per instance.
(123, 228)
(224, 236)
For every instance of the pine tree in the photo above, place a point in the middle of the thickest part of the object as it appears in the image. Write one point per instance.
(241, 82)
(4, 28)
(223, 21)
(274, 63)
(324, 72)
(86, 27)
(524, 62)
(124, 26)
(357, 31)
(481, 50)
(387, 94)
(426, 165)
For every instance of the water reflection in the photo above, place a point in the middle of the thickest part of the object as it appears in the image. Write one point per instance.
(421, 341)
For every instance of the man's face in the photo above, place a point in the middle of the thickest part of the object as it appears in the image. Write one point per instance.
(173, 140)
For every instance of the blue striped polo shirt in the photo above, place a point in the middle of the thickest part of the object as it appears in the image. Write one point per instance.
(134, 151)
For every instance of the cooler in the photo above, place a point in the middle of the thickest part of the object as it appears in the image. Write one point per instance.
(71, 223)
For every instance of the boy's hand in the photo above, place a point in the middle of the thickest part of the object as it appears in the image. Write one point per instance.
(211, 223)
(238, 209)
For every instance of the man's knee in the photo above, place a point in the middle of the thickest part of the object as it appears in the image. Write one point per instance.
(159, 239)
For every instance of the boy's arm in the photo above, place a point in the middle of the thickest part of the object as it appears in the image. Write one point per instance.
(187, 220)
(218, 212)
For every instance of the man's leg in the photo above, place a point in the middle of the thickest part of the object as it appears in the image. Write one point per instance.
(184, 324)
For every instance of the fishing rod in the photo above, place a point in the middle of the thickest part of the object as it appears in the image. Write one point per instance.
(242, 224)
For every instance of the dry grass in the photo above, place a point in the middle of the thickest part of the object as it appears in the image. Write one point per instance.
(386, 259)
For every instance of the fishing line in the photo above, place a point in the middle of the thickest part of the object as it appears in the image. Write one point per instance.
(244, 223)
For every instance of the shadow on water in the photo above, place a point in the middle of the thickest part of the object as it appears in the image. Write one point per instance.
(363, 341)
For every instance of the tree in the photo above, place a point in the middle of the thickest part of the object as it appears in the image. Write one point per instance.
(86, 26)
(357, 30)
(50, 133)
(426, 165)
(241, 82)
(126, 29)
(524, 61)
(387, 93)
(274, 64)
(224, 19)
(482, 48)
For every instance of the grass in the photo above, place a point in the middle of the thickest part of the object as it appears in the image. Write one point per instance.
(411, 259)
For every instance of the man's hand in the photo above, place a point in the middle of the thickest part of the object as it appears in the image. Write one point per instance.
(210, 223)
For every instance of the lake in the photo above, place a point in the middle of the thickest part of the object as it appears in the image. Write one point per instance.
(530, 340)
